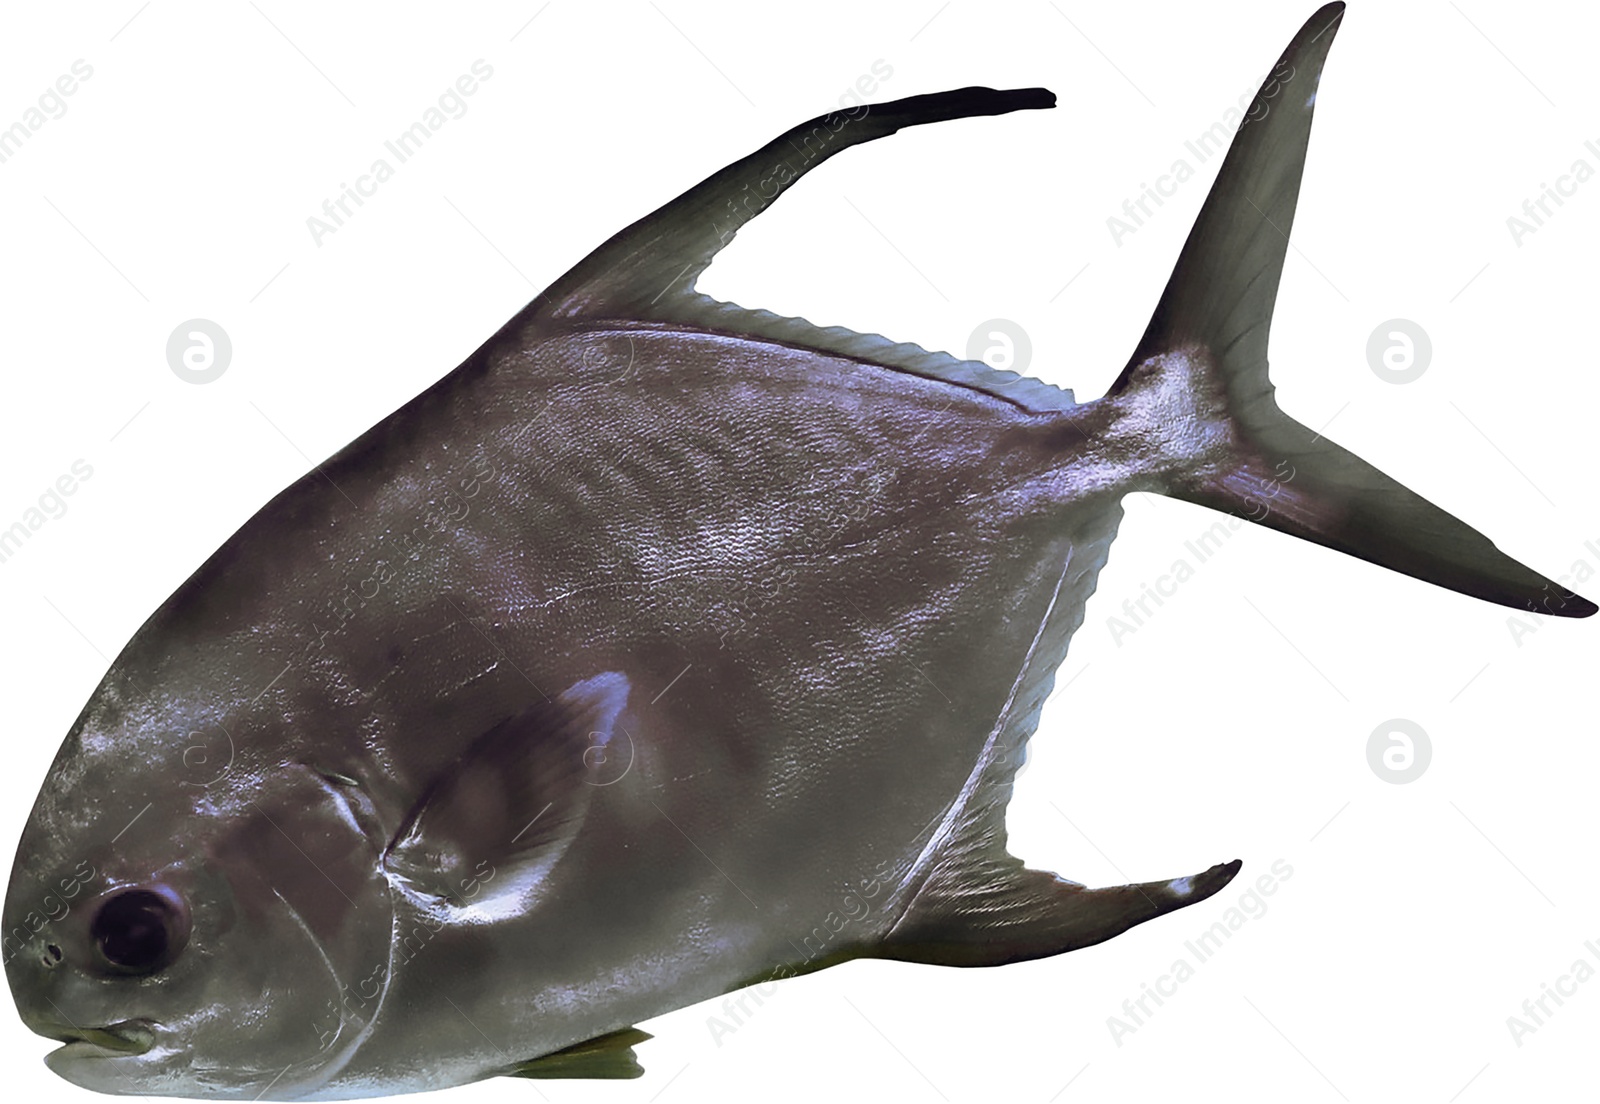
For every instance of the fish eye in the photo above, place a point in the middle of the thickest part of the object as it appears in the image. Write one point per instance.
(141, 929)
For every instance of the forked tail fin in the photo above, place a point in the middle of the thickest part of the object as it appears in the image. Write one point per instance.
(1213, 320)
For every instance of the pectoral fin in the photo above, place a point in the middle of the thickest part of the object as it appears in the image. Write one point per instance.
(497, 818)
(608, 1057)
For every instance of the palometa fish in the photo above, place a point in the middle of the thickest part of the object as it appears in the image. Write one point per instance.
(585, 686)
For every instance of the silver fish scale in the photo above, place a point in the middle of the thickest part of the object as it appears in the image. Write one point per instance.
(849, 715)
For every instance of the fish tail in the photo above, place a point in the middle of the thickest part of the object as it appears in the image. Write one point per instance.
(1206, 350)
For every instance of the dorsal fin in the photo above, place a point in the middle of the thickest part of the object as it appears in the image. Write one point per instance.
(647, 271)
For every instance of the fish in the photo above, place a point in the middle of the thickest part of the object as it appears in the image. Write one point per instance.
(584, 686)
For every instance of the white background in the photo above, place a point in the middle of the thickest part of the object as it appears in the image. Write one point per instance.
(1233, 723)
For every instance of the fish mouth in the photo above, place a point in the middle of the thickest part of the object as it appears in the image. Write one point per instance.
(125, 1038)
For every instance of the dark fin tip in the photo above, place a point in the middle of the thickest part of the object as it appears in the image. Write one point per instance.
(1568, 604)
(1222, 873)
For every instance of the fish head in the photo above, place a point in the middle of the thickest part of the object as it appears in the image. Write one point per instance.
(194, 910)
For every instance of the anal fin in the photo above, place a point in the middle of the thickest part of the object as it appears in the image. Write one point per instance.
(997, 911)
(606, 1057)
(969, 901)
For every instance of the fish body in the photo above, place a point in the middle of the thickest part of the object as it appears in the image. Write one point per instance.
(661, 648)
